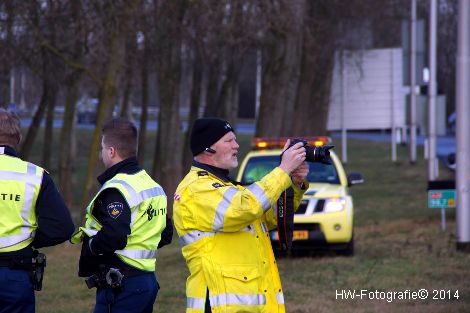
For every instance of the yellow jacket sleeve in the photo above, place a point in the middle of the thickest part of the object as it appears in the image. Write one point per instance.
(208, 205)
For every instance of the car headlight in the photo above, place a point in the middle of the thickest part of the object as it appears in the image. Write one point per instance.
(334, 205)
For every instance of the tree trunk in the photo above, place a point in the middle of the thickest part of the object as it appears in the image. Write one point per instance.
(193, 110)
(67, 147)
(228, 108)
(67, 139)
(168, 149)
(107, 94)
(280, 68)
(49, 129)
(7, 63)
(145, 104)
(36, 122)
(212, 94)
(125, 105)
(313, 95)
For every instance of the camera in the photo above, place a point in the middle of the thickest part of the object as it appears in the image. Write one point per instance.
(318, 154)
(285, 203)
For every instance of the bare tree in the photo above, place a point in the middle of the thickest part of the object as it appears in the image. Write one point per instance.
(145, 101)
(6, 53)
(107, 29)
(31, 18)
(281, 65)
(168, 151)
(71, 83)
(114, 17)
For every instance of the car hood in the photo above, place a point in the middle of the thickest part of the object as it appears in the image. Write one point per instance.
(322, 190)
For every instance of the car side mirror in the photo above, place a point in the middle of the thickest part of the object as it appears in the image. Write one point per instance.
(355, 179)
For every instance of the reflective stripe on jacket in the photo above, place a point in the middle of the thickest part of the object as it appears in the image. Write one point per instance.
(20, 182)
(144, 196)
(223, 232)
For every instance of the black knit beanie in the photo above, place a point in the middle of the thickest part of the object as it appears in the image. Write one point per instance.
(207, 131)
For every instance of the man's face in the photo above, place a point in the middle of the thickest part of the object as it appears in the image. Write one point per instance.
(226, 156)
(105, 154)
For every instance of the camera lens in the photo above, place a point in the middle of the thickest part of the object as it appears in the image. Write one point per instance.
(318, 154)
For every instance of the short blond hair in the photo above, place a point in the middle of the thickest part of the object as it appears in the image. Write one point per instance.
(10, 130)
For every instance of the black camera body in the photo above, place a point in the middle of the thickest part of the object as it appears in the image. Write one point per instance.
(318, 154)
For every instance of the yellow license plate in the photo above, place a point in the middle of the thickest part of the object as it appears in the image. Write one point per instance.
(300, 235)
(297, 235)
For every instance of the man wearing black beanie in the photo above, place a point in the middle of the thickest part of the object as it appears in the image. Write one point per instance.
(223, 227)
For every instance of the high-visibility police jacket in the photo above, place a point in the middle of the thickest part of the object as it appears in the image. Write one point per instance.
(223, 230)
(33, 213)
(147, 201)
(20, 183)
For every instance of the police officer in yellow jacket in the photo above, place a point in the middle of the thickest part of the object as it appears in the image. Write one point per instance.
(123, 228)
(223, 227)
(33, 215)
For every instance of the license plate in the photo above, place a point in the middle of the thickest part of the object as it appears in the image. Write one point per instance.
(300, 235)
(297, 235)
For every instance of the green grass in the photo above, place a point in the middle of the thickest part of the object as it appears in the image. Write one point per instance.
(399, 246)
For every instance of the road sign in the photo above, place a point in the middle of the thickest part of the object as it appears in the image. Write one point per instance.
(442, 199)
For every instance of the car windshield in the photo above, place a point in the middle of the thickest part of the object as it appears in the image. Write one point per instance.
(258, 167)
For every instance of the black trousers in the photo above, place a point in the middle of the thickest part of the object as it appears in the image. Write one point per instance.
(207, 308)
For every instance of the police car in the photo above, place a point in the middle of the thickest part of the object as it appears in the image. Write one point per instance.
(325, 217)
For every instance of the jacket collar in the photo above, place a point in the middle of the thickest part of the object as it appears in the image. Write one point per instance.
(217, 171)
(127, 166)
(8, 151)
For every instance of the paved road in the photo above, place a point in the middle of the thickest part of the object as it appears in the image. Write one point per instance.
(241, 128)
(445, 144)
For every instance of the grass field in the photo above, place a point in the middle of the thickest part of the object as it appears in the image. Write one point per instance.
(399, 248)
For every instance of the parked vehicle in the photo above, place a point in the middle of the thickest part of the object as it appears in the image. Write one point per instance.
(325, 217)
(87, 109)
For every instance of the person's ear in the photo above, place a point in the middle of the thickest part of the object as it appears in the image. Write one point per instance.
(112, 152)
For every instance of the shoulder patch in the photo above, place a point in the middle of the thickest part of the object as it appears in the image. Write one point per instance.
(217, 185)
(115, 209)
(202, 173)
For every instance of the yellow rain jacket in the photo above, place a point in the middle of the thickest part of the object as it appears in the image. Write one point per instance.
(224, 234)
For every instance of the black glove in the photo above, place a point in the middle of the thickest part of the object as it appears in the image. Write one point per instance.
(167, 234)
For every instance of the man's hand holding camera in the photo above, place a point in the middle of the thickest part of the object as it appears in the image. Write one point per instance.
(292, 157)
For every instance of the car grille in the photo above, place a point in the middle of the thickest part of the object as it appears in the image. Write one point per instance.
(302, 207)
(319, 206)
(304, 204)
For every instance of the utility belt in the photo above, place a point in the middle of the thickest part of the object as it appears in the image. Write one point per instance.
(109, 277)
(106, 278)
(35, 266)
